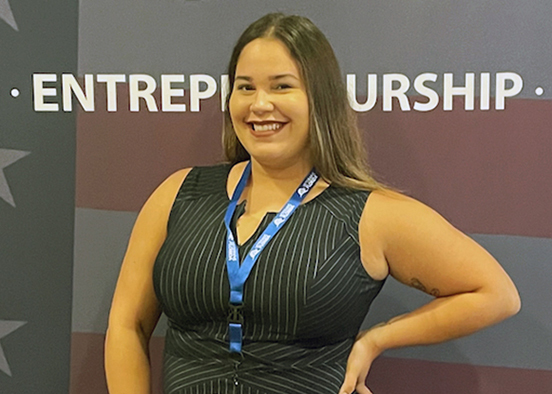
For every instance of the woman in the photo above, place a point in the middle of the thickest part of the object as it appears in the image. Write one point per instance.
(314, 267)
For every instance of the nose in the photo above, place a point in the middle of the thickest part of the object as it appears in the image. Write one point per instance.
(261, 102)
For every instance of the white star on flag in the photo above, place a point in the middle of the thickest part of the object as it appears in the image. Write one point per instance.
(7, 157)
(7, 14)
(6, 328)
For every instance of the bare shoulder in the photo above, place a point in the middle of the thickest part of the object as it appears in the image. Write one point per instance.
(394, 224)
(166, 192)
(155, 212)
(402, 220)
(174, 181)
(372, 226)
(386, 209)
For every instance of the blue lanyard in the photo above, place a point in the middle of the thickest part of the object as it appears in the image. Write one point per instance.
(237, 275)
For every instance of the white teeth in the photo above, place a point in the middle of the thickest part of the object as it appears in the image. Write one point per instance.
(266, 127)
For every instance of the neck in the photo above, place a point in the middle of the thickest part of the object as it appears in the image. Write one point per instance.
(270, 187)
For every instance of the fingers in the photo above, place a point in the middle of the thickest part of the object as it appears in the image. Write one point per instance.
(360, 389)
(351, 384)
(348, 385)
(355, 377)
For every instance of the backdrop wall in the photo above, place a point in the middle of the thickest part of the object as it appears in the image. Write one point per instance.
(100, 101)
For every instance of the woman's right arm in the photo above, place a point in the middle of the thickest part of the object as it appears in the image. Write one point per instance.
(135, 310)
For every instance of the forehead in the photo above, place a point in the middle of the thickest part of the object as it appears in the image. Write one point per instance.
(266, 57)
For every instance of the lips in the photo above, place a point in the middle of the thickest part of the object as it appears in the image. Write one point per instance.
(265, 128)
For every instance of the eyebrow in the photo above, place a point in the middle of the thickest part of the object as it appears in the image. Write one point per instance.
(272, 77)
(280, 76)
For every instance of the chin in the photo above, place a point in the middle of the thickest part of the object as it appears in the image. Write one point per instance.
(278, 161)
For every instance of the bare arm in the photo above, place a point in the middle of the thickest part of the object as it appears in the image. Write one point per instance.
(413, 243)
(134, 310)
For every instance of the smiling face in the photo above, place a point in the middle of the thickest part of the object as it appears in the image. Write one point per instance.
(269, 105)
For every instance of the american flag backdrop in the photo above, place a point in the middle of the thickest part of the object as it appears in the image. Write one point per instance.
(74, 171)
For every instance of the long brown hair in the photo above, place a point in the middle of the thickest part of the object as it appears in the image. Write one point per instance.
(336, 146)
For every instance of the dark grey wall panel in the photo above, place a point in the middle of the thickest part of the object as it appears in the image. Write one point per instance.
(37, 199)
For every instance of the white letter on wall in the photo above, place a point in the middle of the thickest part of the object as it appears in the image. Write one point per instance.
(111, 88)
(485, 92)
(40, 91)
(371, 88)
(399, 93)
(167, 93)
(224, 88)
(135, 93)
(502, 92)
(468, 91)
(69, 84)
(427, 92)
(196, 94)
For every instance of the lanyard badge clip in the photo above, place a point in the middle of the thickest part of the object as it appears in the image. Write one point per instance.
(235, 327)
(235, 315)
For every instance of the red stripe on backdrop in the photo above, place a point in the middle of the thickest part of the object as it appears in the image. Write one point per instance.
(388, 375)
(486, 171)
(122, 156)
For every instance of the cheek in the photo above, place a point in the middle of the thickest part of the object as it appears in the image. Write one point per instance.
(300, 108)
(239, 106)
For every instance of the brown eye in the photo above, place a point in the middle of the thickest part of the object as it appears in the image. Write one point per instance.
(245, 87)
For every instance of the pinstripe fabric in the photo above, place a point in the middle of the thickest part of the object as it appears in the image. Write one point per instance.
(304, 300)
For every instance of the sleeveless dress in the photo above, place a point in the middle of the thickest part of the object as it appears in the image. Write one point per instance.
(304, 300)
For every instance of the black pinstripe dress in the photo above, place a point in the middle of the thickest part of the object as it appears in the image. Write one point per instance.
(304, 300)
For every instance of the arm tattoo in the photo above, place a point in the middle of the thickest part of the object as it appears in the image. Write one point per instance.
(415, 282)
